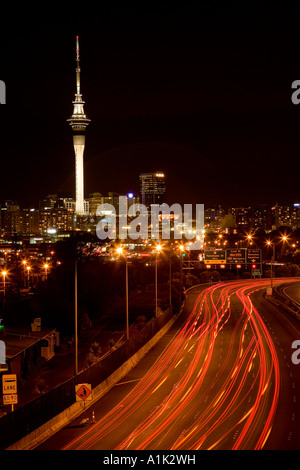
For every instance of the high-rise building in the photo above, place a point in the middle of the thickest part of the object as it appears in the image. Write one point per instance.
(10, 218)
(242, 216)
(262, 217)
(113, 199)
(153, 188)
(214, 216)
(95, 200)
(49, 202)
(287, 215)
(55, 201)
(55, 220)
(29, 221)
(79, 122)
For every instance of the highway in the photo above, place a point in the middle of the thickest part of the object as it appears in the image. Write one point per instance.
(221, 378)
(293, 291)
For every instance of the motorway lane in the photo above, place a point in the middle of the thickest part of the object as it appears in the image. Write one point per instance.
(293, 291)
(214, 386)
(112, 399)
(284, 329)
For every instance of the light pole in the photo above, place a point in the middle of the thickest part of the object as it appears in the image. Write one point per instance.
(284, 239)
(4, 275)
(272, 261)
(119, 250)
(170, 280)
(24, 264)
(46, 266)
(181, 248)
(248, 240)
(127, 313)
(76, 326)
(28, 278)
(158, 249)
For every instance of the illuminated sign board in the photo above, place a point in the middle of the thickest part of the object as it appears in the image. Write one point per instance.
(253, 256)
(214, 256)
(236, 256)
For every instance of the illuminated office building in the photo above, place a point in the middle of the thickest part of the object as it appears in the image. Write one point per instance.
(153, 188)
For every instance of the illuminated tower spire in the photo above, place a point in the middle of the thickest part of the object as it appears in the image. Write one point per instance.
(78, 121)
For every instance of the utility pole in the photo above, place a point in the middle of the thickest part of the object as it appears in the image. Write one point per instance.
(127, 314)
(76, 317)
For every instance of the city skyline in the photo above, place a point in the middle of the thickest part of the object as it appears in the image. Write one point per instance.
(213, 112)
(56, 214)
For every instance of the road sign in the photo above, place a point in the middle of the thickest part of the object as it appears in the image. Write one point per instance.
(214, 256)
(11, 399)
(256, 272)
(9, 383)
(83, 392)
(236, 256)
(253, 255)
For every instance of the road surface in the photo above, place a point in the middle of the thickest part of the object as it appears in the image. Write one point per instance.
(293, 291)
(222, 378)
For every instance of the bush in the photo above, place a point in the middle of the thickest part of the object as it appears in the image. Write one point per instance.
(289, 270)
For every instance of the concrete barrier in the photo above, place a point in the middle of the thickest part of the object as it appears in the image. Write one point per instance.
(44, 432)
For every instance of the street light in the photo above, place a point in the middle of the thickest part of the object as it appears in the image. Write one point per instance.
(158, 249)
(46, 266)
(170, 279)
(4, 275)
(181, 248)
(76, 320)
(24, 262)
(269, 243)
(28, 279)
(119, 250)
(284, 239)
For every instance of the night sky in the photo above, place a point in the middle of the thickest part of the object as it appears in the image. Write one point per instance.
(201, 91)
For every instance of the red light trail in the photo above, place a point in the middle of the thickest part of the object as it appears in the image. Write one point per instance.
(215, 386)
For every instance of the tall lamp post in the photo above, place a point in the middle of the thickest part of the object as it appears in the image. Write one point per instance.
(170, 280)
(4, 276)
(28, 278)
(76, 321)
(46, 266)
(284, 239)
(158, 249)
(24, 264)
(269, 243)
(4, 273)
(119, 250)
(181, 248)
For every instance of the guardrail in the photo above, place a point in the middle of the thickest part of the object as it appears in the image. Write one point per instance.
(286, 302)
(22, 421)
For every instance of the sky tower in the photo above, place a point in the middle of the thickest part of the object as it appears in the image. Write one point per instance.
(78, 121)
